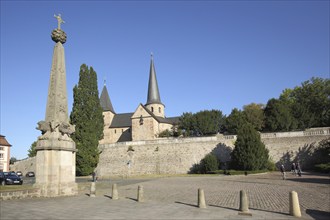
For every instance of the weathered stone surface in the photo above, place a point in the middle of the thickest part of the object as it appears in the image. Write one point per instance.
(140, 194)
(244, 202)
(294, 204)
(56, 151)
(114, 192)
(176, 156)
(201, 199)
(58, 36)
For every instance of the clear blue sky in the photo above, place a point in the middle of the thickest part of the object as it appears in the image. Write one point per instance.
(208, 54)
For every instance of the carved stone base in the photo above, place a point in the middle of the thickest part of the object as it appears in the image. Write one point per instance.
(55, 190)
(56, 165)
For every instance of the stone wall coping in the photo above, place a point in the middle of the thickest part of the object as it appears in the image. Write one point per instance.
(308, 132)
(162, 141)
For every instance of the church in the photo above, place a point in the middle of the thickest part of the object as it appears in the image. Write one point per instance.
(145, 123)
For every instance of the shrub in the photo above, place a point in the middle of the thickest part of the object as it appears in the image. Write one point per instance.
(271, 165)
(323, 167)
(130, 148)
(209, 163)
(166, 133)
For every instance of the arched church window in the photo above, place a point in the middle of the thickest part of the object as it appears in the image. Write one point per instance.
(160, 110)
(152, 109)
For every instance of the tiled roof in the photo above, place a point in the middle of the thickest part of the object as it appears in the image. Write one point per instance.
(121, 120)
(153, 91)
(105, 100)
(3, 141)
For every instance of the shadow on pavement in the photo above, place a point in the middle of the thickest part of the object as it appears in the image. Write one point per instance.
(223, 207)
(310, 180)
(183, 203)
(250, 209)
(282, 213)
(132, 199)
(110, 197)
(319, 215)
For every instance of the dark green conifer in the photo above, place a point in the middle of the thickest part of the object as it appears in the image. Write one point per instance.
(87, 116)
(249, 152)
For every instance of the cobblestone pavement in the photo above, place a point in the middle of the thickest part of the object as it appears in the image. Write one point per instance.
(176, 198)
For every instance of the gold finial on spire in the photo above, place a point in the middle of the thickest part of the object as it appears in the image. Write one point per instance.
(59, 20)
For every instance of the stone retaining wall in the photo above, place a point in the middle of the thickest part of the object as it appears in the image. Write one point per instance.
(19, 194)
(25, 165)
(178, 155)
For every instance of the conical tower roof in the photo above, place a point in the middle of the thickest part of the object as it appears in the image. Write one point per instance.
(153, 91)
(105, 100)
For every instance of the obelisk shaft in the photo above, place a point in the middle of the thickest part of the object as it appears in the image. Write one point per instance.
(57, 107)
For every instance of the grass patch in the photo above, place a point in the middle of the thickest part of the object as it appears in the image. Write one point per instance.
(237, 172)
(7, 188)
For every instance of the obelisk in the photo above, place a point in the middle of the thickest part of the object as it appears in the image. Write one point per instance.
(56, 151)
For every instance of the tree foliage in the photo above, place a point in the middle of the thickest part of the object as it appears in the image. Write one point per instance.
(278, 116)
(309, 103)
(249, 152)
(87, 116)
(202, 123)
(234, 121)
(254, 114)
(32, 151)
(12, 160)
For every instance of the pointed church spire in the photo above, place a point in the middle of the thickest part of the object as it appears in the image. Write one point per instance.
(105, 100)
(153, 92)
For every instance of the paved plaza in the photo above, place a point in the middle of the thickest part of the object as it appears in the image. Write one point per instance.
(176, 198)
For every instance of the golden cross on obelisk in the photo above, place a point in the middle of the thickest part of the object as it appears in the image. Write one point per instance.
(59, 20)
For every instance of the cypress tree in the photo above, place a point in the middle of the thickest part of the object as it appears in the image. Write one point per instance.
(249, 152)
(87, 116)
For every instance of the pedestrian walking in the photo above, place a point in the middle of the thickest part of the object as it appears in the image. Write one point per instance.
(283, 172)
(293, 169)
(299, 169)
(93, 176)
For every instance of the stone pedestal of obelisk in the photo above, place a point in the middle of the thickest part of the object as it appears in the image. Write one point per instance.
(56, 151)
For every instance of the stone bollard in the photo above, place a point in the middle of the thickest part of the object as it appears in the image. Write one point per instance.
(93, 190)
(201, 199)
(114, 192)
(244, 204)
(294, 204)
(140, 194)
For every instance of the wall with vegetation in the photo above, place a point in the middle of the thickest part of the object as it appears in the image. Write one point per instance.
(178, 155)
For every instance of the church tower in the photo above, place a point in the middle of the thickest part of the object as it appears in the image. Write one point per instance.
(108, 114)
(105, 100)
(153, 102)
